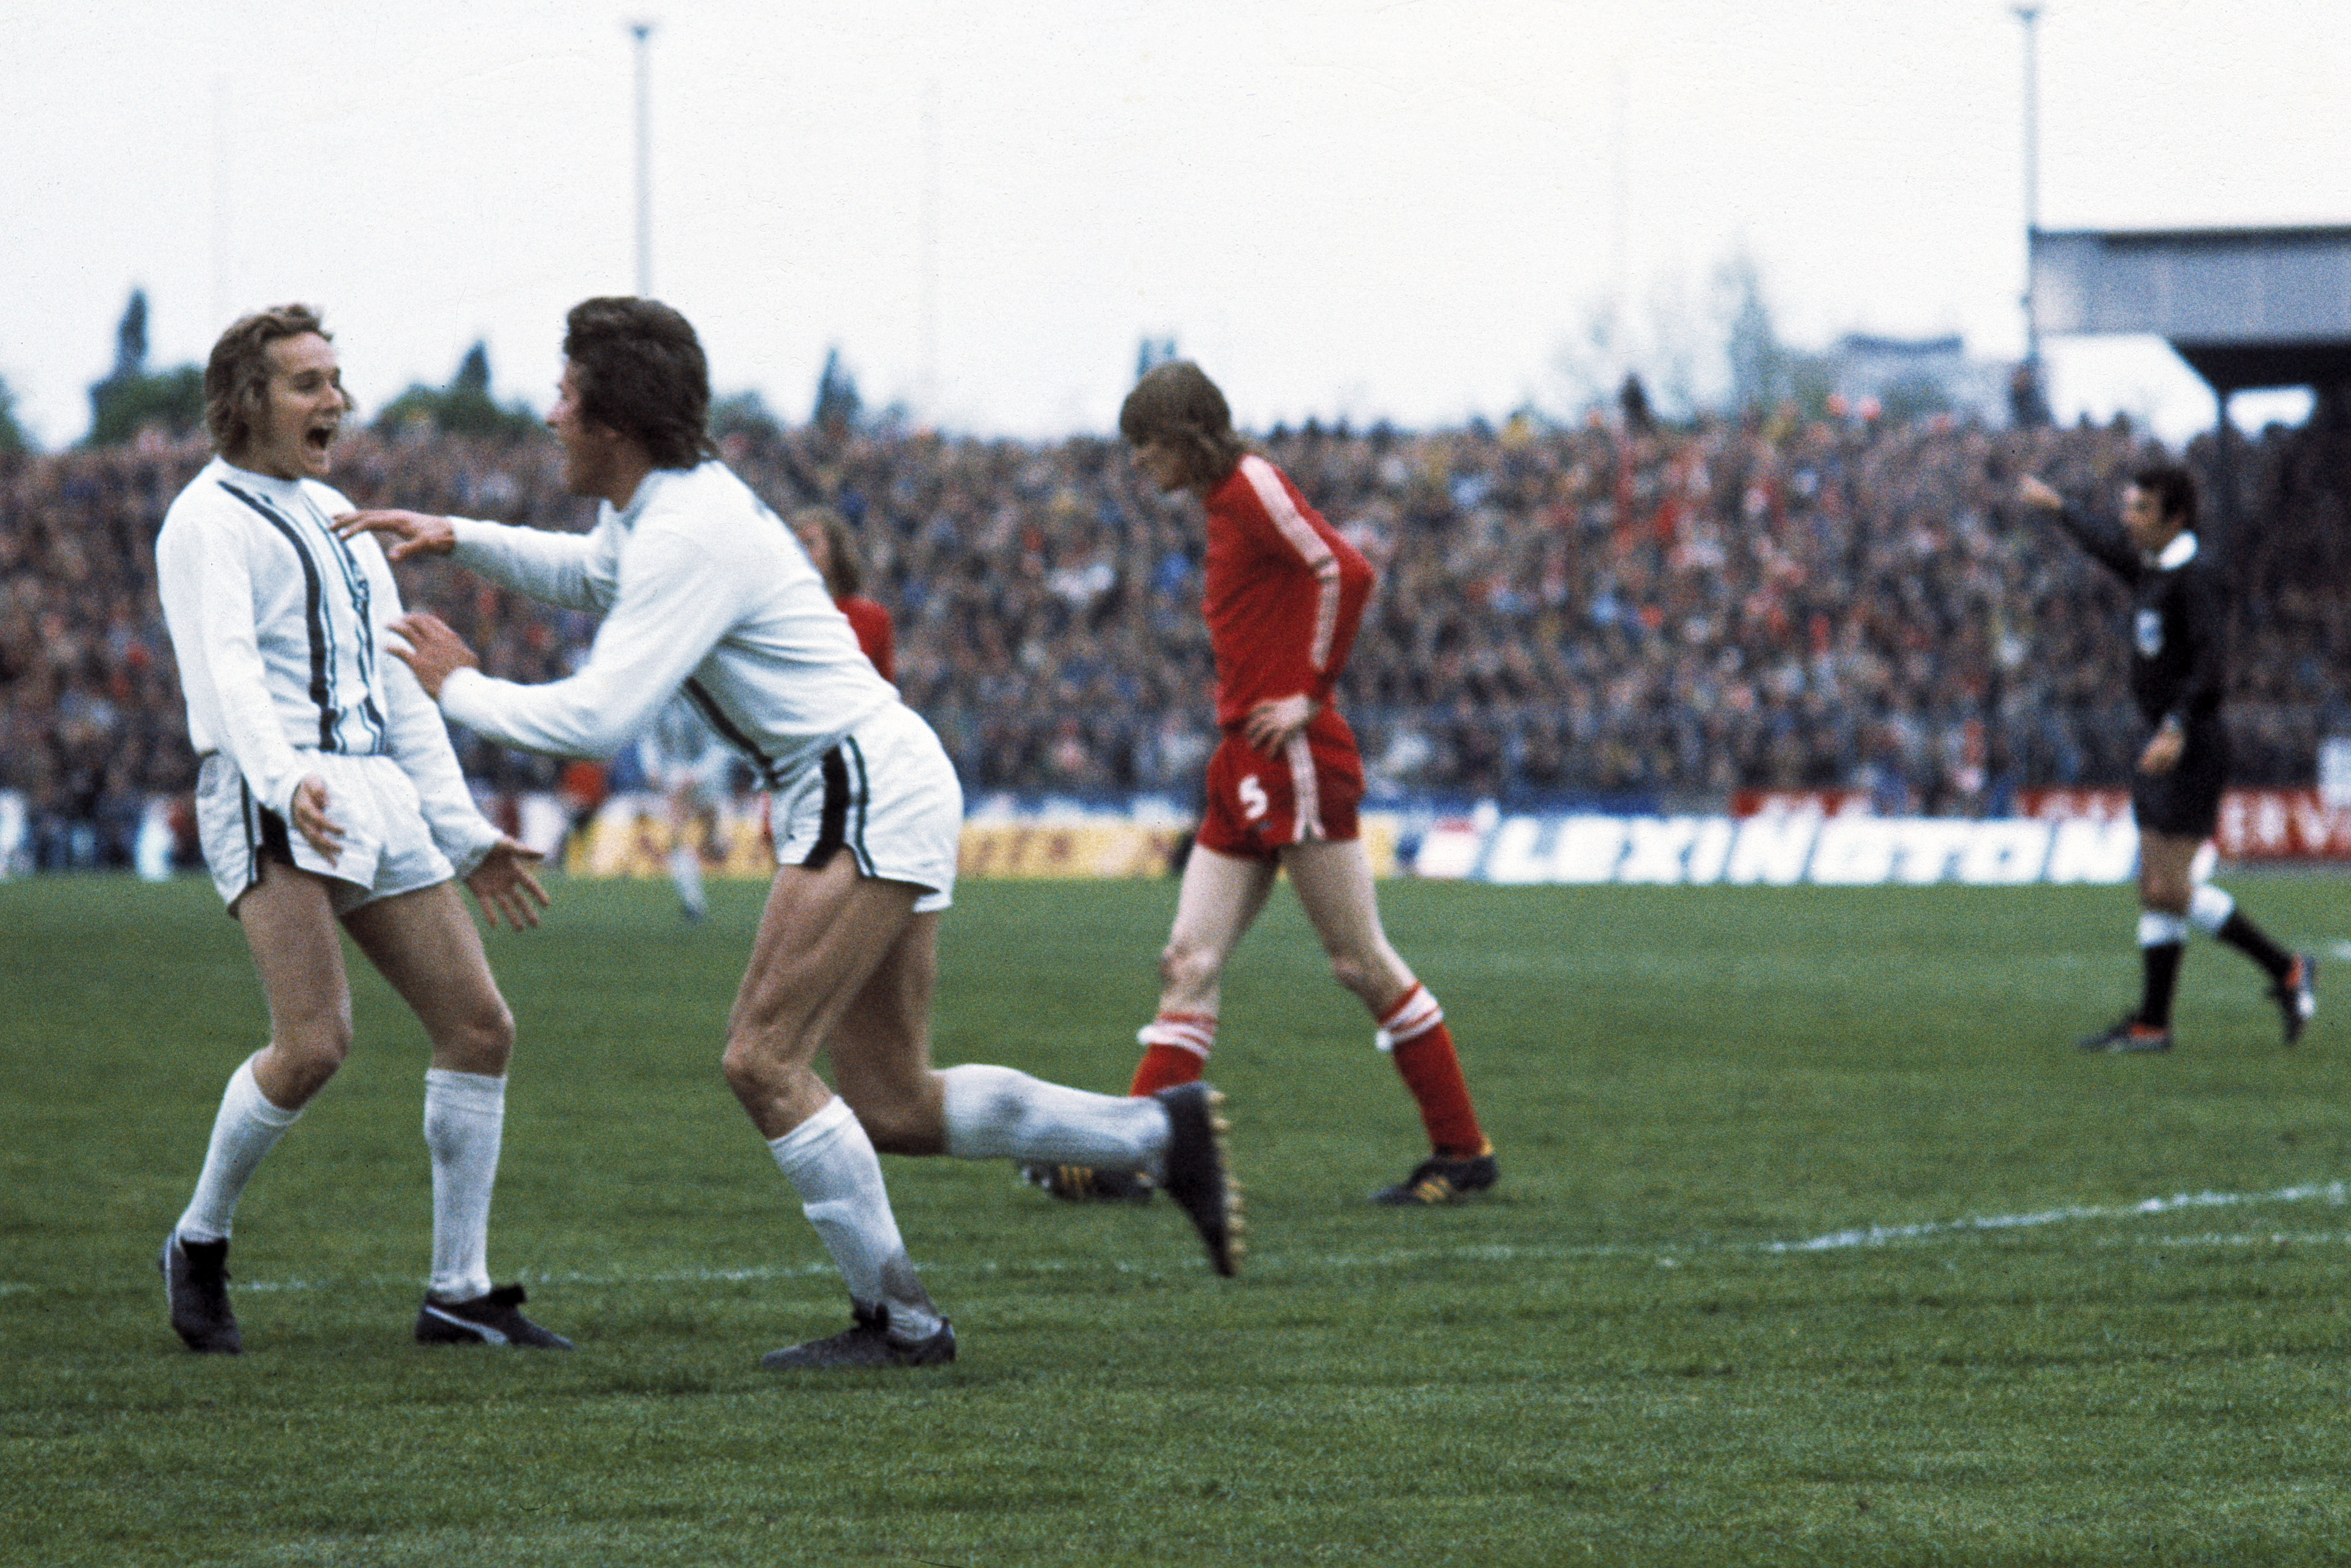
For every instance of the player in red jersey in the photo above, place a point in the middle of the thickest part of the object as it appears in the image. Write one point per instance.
(824, 534)
(1283, 595)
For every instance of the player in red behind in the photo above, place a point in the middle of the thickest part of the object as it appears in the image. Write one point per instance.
(832, 550)
(1283, 595)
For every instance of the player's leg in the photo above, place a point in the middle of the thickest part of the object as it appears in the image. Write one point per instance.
(1219, 898)
(1333, 879)
(824, 935)
(686, 836)
(425, 946)
(880, 1050)
(2294, 977)
(289, 927)
(2164, 890)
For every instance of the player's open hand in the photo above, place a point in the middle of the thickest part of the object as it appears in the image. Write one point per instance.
(406, 533)
(1271, 723)
(503, 885)
(310, 820)
(432, 650)
(2036, 494)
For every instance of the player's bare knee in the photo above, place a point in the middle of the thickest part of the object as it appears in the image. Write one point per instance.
(309, 1053)
(743, 1063)
(1353, 973)
(484, 1041)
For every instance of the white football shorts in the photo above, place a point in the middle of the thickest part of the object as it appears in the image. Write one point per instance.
(885, 794)
(387, 847)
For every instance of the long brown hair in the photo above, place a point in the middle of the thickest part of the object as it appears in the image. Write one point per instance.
(237, 377)
(1177, 403)
(842, 575)
(641, 370)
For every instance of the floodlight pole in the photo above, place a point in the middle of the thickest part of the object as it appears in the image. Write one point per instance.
(926, 348)
(2029, 15)
(223, 293)
(643, 33)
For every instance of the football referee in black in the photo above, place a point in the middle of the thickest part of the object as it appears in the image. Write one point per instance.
(2178, 632)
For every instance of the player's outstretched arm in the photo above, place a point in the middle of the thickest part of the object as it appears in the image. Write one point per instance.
(503, 885)
(406, 533)
(434, 651)
(2108, 548)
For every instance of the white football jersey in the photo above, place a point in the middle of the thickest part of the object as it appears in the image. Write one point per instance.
(279, 627)
(703, 589)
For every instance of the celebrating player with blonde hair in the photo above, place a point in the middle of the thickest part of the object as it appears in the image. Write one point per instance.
(328, 792)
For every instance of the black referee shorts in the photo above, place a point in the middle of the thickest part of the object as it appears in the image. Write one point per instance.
(2184, 802)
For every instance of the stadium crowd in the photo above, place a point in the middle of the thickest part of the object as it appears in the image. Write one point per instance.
(1642, 615)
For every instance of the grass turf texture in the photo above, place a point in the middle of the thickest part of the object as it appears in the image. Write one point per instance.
(1614, 1358)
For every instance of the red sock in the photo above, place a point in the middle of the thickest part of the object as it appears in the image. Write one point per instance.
(1422, 1048)
(1175, 1050)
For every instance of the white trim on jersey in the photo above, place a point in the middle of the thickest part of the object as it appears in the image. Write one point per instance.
(1312, 548)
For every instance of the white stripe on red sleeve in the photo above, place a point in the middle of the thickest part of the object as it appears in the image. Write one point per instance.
(1310, 546)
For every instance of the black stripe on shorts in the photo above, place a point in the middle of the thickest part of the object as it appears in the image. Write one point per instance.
(832, 831)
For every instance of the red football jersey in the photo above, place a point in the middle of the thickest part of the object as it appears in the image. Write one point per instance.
(874, 635)
(1283, 592)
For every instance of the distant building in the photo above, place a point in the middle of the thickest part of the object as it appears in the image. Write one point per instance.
(1908, 377)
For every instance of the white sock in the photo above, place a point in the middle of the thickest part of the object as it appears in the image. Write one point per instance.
(465, 1118)
(997, 1112)
(2209, 909)
(247, 1127)
(685, 874)
(831, 1162)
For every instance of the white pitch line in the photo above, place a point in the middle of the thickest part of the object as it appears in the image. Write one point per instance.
(1879, 1235)
(1668, 1254)
(2246, 1238)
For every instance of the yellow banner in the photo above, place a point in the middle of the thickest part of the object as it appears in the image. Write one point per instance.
(630, 835)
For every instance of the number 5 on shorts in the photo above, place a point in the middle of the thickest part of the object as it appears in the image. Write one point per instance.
(1252, 797)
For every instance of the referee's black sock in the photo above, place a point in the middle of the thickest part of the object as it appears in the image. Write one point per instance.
(2160, 961)
(2253, 942)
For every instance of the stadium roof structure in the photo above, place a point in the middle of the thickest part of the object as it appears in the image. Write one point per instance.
(2246, 308)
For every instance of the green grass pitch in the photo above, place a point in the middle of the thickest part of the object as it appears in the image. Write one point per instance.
(1816, 1243)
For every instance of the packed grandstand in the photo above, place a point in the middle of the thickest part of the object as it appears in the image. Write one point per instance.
(1569, 616)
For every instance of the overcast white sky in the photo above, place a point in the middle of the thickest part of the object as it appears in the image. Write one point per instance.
(1402, 210)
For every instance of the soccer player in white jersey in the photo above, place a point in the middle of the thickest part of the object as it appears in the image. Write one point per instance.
(688, 764)
(328, 792)
(704, 588)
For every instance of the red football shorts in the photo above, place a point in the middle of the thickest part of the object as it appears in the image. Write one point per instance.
(1257, 803)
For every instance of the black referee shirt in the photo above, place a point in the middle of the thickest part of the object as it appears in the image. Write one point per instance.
(2179, 627)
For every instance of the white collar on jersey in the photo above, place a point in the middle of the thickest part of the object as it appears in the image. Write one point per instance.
(653, 481)
(259, 480)
(2177, 553)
